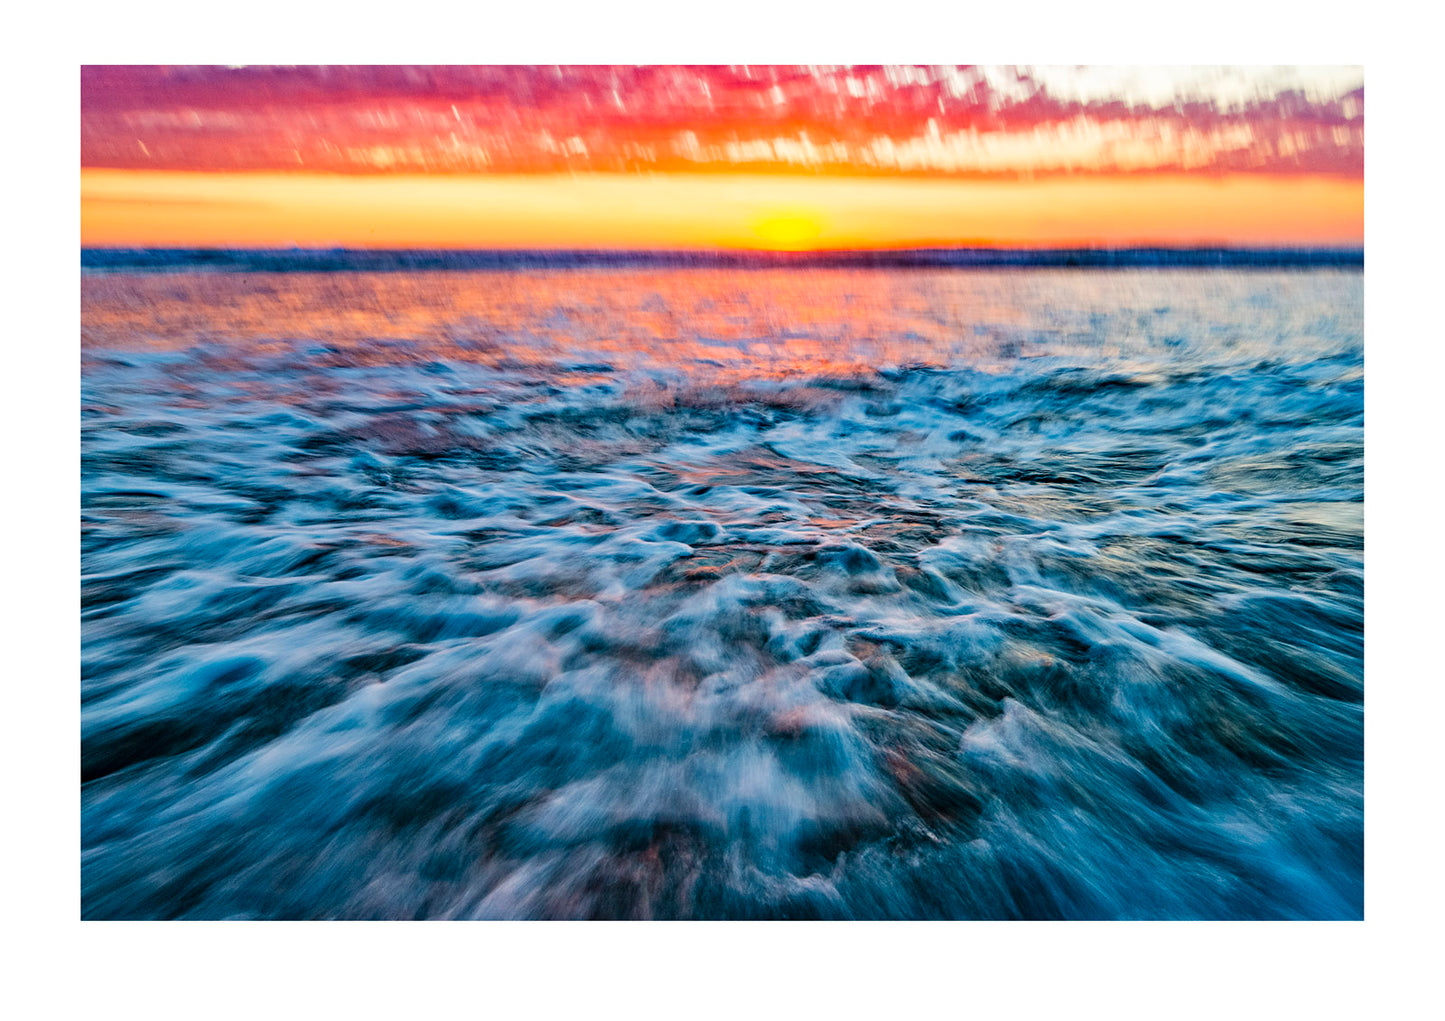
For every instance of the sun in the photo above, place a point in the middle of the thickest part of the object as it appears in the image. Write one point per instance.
(790, 231)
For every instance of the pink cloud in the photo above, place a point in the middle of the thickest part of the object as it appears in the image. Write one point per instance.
(871, 120)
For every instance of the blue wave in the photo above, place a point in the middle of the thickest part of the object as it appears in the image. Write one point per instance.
(768, 595)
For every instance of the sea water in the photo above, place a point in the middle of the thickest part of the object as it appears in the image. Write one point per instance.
(722, 593)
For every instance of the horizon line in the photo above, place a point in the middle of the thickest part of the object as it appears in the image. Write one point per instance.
(342, 259)
(739, 250)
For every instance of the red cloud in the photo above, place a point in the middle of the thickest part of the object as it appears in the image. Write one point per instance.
(874, 120)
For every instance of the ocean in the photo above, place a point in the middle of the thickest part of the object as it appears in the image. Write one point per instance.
(769, 590)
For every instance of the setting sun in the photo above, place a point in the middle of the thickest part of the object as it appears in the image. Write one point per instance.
(787, 232)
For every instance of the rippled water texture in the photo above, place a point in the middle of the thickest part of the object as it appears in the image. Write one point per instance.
(722, 594)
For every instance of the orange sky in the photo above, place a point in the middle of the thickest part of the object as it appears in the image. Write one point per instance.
(787, 157)
(187, 208)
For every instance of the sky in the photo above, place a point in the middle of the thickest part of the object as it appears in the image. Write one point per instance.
(734, 157)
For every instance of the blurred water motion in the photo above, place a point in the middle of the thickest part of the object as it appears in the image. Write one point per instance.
(722, 594)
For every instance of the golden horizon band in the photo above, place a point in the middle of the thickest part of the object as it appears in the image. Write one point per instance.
(138, 208)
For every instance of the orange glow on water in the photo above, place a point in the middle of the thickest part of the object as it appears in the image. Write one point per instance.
(140, 208)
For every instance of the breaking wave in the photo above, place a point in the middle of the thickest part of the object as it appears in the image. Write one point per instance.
(627, 594)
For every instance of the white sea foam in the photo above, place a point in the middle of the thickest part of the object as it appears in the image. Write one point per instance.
(983, 595)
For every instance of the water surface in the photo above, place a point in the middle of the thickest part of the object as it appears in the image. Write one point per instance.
(717, 593)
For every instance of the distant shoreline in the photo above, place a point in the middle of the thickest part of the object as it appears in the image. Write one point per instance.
(334, 260)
